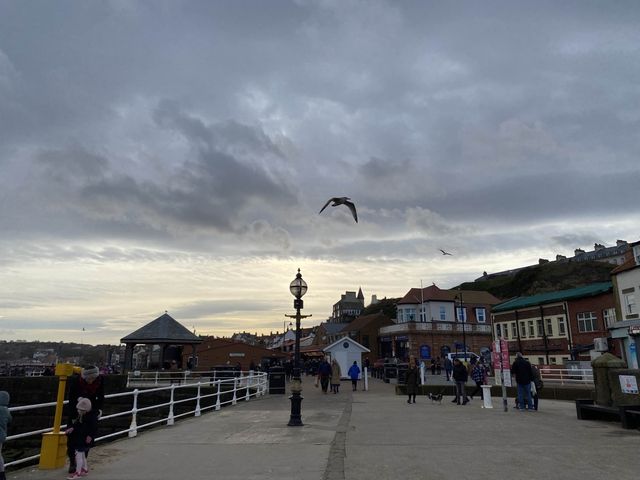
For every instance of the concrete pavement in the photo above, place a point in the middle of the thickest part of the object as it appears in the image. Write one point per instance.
(370, 435)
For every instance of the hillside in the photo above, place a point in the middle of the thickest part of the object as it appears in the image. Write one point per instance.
(544, 278)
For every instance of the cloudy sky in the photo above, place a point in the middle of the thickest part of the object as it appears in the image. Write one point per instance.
(173, 155)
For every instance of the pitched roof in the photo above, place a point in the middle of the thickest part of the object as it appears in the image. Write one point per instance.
(629, 264)
(433, 293)
(363, 320)
(551, 297)
(360, 347)
(164, 329)
(333, 328)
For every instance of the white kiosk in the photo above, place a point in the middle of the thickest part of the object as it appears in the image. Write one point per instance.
(346, 351)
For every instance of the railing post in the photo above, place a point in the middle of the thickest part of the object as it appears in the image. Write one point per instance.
(197, 413)
(133, 428)
(170, 419)
(247, 383)
(235, 389)
(218, 396)
(184, 379)
(157, 373)
(366, 378)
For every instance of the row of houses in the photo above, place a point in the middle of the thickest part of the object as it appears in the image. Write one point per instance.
(549, 328)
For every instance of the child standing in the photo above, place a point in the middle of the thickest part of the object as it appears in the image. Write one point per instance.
(5, 419)
(82, 435)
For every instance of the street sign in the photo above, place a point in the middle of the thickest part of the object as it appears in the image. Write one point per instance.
(500, 355)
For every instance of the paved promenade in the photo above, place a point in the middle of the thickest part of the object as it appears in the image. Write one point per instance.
(372, 435)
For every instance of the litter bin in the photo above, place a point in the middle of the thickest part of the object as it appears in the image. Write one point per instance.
(276, 380)
(390, 372)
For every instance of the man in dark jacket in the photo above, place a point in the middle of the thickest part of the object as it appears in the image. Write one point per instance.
(521, 369)
(460, 376)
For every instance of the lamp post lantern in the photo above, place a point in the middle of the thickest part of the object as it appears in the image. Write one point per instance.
(297, 288)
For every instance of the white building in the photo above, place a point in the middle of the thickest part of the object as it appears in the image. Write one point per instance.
(346, 351)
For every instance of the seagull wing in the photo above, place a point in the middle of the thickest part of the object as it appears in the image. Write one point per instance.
(352, 207)
(326, 205)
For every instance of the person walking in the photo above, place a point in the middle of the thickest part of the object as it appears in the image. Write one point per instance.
(81, 436)
(448, 368)
(460, 376)
(336, 375)
(521, 369)
(324, 374)
(433, 367)
(354, 374)
(438, 366)
(478, 375)
(412, 380)
(89, 384)
(5, 420)
(538, 384)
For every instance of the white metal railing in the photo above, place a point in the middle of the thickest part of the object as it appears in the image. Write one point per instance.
(154, 378)
(253, 384)
(564, 376)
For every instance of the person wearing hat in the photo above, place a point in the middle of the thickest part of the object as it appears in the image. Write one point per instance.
(90, 385)
(81, 436)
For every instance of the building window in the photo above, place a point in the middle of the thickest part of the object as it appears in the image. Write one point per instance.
(481, 315)
(540, 360)
(549, 327)
(630, 304)
(412, 314)
(498, 331)
(532, 330)
(461, 314)
(423, 313)
(443, 313)
(540, 325)
(523, 330)
(514, 330)
(562, 331)
(609, 316)
(587, 322)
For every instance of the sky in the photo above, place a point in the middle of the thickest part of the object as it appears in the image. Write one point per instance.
(174, 155)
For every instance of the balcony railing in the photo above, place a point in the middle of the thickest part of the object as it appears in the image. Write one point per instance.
(401, 328)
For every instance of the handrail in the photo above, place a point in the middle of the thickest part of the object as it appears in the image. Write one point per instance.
(580, 376)
(254, 383)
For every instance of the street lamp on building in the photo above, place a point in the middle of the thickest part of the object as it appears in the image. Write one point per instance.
(297, 288)
(462, 319)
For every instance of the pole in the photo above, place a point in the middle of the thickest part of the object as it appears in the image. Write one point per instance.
(295, 417)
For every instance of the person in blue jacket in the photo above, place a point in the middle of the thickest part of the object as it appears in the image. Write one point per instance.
(354, 373)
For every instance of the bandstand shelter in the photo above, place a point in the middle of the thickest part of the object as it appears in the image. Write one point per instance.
(164, 331)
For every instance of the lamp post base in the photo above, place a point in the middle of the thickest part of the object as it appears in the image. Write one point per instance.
(295, 418)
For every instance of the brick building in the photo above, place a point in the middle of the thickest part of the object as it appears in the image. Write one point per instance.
(554, 327)
(432, 322)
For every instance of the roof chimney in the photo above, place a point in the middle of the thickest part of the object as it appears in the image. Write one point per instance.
(542, 261)
(619, 243)
(598, 246)
(578, 251)
(560, 257)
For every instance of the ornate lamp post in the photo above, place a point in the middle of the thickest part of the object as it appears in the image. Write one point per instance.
(297, 288)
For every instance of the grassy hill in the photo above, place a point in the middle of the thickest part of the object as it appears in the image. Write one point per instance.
(548, 277)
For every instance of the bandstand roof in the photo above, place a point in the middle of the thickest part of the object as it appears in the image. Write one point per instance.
(164, 329)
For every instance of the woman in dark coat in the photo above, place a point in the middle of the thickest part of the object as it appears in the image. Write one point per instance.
(412, 380)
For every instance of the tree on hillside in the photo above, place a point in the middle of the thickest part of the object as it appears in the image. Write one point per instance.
(548, 277)
(387, 306)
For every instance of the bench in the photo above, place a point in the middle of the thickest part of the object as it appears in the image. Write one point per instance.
(628, 415)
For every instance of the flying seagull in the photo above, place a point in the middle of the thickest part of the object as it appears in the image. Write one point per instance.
(342, 201)
(445, 253)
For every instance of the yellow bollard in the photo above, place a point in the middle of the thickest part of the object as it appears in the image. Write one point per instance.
(53, 451)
